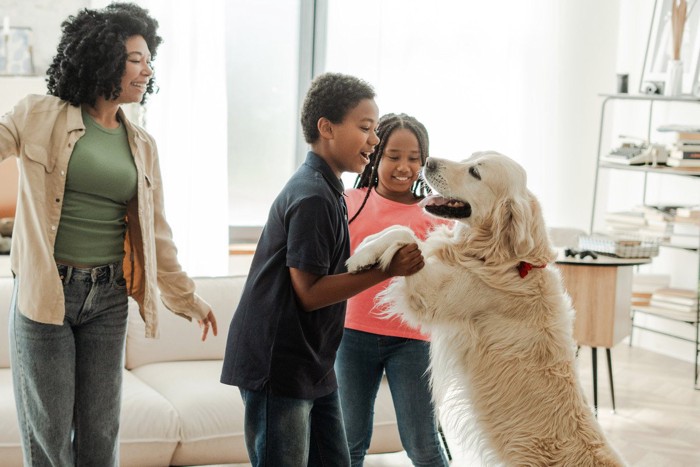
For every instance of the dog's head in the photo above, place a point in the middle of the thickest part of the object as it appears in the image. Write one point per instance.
(489, 192)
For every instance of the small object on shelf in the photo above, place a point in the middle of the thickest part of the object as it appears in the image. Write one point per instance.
(674, 78)
(634, 153)
(622, 83)
(619, 247)
(583, 254)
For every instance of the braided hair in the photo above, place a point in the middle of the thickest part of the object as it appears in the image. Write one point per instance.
(387, 125)
(91, 55)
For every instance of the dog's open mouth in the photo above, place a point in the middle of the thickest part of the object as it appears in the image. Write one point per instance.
(446, 207)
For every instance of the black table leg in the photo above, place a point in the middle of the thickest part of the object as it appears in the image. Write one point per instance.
(610, 375)
(594, 354)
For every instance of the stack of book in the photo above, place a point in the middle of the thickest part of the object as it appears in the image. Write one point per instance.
(685, 152)
(685, 300)
(644, 286)
(642, 222)
(685, 228)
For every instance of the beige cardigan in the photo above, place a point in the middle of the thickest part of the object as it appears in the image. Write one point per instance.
(42, 131)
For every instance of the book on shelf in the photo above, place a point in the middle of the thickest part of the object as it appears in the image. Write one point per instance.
(677, 295)
(669, 313)
(661, 213)
(684, 131)
(675, 162)
(648, 282)
(655, 302)
(657, 234)
(691, 242)
(692, 153)
(684, 141)
(641, 298)
(685, 228)
(692, 212)
(635, 218)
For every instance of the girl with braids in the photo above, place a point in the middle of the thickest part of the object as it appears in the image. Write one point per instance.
(387, 193)
(90, 230)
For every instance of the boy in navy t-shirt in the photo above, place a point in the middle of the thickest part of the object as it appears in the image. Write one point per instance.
(287, 328)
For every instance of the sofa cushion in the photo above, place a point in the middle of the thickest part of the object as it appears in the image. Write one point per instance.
(10, 447)
(222, 293)
(6, 284)
(149, 430)
(211, 413)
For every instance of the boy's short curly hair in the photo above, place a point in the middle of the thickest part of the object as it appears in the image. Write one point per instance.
(331, 95)
(91, 55)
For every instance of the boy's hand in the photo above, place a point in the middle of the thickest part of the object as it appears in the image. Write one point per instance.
(407, 261)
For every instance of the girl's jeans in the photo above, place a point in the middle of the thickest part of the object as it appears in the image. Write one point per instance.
(67, 379)
(362, 360)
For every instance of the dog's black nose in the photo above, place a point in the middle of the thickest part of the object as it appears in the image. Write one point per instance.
(431, 164)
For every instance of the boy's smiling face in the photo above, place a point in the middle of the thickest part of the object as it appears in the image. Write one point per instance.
(351, 141)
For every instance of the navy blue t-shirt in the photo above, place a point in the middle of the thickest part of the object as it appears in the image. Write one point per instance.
(272, 341)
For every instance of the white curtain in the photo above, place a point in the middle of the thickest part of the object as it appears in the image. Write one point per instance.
(188, 119)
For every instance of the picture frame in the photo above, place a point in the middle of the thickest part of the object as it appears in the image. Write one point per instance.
(659, 49)
(16, 51)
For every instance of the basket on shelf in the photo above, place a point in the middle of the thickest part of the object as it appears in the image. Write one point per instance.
(627, 247)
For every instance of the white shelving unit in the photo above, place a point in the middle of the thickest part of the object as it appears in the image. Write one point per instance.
(692, 319)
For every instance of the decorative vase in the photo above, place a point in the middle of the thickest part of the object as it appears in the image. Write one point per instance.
(674, 78)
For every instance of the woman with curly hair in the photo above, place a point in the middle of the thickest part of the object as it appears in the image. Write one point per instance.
(90, 231)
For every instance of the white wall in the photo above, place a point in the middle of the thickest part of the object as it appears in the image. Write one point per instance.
(44, 17)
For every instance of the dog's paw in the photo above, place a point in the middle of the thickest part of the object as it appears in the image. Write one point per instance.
(362, 261)
(379, 249)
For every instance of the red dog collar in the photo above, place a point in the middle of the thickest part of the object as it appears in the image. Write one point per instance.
(524, 268)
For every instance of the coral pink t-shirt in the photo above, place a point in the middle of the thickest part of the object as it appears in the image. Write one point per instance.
(379, 213)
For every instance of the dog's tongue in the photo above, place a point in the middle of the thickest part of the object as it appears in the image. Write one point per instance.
(433, 200)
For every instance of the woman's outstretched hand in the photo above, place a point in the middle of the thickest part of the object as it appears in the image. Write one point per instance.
(206, 323)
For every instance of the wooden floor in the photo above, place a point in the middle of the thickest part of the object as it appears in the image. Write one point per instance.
(657, 422)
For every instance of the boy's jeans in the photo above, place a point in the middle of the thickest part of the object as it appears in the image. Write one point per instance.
(288, 432)
(67, 379)
(361, 361)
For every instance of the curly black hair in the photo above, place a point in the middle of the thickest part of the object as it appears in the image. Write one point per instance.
(91, 56)
(331, 95)
(387, 125)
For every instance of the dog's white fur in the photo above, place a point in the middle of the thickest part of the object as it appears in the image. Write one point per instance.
(502, 352)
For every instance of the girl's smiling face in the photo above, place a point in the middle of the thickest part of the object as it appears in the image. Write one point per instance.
(399, 166)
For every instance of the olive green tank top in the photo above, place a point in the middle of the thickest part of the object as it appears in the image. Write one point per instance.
(101, 180)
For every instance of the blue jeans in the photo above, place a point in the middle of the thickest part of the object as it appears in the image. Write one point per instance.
(288, 432)
(362, 360)
(67, 378)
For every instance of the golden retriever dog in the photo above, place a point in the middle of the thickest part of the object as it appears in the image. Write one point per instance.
(502, 351)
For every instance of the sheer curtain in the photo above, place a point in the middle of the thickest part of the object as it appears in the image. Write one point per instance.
(518, 77)
(188, 119)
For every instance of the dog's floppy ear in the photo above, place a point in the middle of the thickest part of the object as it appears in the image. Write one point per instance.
(512, 223)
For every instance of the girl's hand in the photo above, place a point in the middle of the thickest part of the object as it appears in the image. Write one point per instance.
(205, 323)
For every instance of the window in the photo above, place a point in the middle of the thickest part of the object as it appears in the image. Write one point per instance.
(262, 54)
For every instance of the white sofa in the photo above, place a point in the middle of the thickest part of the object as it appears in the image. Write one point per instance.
(174, 410)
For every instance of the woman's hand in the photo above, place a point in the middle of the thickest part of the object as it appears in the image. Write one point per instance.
(205, 323)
